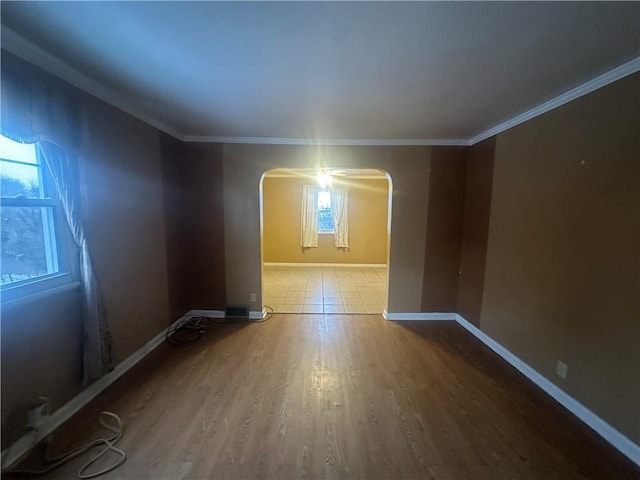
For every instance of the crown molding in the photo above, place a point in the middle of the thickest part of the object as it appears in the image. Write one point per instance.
(329, 141)
(600, 81)
(26, 50)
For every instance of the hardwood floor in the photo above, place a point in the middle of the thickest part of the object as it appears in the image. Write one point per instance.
(337, 396)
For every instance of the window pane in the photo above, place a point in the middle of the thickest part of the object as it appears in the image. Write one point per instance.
(18, 179)
(325, 220)
(325, 215)
(21, 152)
(324, 200)
(27, 245)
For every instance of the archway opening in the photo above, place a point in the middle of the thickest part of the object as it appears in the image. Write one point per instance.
(330, 270)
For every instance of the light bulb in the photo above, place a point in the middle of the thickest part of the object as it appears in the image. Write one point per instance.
(324, 179)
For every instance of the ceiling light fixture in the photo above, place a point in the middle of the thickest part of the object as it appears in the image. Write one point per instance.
(323, 178)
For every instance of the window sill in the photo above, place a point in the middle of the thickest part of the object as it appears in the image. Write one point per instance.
(37, 290)
(326, 233)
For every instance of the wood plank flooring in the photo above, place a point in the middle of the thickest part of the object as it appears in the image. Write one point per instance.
(338, 396)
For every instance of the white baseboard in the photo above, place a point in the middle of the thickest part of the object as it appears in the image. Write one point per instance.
(433, 316)
(326, 265)
(618, 440)
(254, 315)
(21, 447)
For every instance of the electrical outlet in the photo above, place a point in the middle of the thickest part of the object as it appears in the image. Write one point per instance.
(252, 297)
(37, 414)
(561, 369)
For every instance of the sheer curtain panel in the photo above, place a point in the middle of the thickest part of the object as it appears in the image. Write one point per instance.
(340, 209)
(309, 216)
(97, 342)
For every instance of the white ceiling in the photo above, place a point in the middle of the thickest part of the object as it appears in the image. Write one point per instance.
(364, 72)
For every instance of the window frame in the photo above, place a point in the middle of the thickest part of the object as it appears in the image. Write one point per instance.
(55, 231)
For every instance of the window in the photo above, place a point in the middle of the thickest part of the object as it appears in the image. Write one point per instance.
(29, 250)
(325, 214)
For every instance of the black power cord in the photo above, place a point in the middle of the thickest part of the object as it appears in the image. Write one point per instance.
(191, 329)
(269, 314)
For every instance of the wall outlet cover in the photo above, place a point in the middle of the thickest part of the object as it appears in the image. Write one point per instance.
(561, 369)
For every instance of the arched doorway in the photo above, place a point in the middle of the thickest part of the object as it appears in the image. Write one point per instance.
(321, 277)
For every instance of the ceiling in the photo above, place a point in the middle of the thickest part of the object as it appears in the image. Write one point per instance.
(360, 72)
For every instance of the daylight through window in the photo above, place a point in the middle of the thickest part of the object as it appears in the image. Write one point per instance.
(325, 214)
(28, 240)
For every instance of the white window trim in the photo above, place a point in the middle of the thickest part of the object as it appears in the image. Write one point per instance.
(28, 288)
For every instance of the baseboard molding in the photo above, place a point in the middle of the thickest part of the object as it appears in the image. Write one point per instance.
(255, 315)
(327, 265)
(24, 444)
(618, 440)
(433, 316)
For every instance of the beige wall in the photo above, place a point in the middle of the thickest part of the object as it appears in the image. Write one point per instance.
(444, 228)
(192, 185)
(173, 178)
(125, 224)
(475, 228)
(368, 208)
(563, 260)
(203, 226)
(244, 166)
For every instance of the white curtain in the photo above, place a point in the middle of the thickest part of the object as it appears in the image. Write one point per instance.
(97, 357)
(309, 216)
(340, 209)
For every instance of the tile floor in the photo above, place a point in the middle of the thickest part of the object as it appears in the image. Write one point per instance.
(325, 289)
